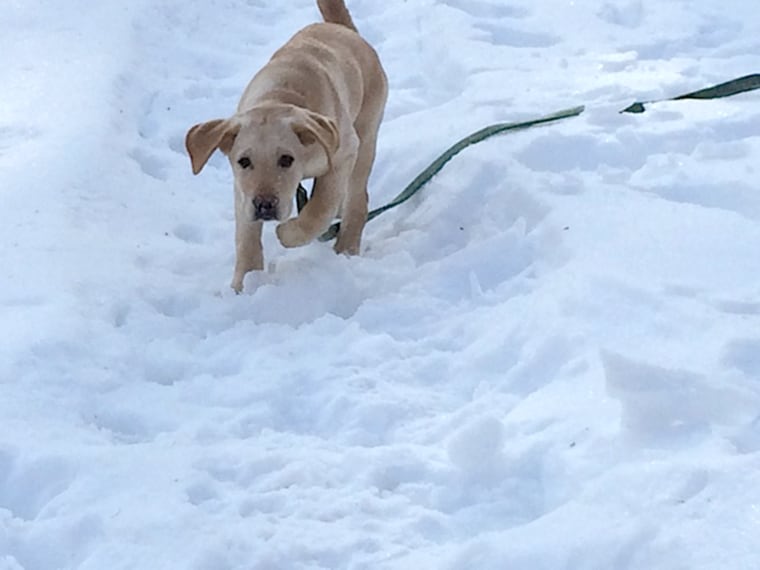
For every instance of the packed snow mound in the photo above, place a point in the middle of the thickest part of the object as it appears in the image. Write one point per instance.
(547, 359)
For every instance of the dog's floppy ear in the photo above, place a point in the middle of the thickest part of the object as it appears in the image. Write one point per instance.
(315, 128)
(203, 139)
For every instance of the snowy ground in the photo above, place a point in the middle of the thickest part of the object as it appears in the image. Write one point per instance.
(550, 359)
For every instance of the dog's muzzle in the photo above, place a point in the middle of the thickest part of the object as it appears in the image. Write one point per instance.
(265, 207)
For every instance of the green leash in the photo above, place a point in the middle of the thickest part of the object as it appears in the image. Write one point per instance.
(727, 89)
(734, 87)
(437, 165)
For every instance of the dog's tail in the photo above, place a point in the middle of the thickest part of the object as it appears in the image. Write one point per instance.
(335, 12)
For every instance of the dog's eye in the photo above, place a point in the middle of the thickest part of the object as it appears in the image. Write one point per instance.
(285, 161)
(245, 162)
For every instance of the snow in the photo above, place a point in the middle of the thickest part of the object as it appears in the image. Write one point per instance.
(547, 359)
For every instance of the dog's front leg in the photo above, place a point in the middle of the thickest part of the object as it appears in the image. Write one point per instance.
(249, 255)
(329, 192)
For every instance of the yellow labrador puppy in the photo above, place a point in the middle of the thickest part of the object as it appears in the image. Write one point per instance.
(313, 111)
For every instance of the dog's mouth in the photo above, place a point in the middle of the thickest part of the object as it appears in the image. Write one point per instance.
(265, 217)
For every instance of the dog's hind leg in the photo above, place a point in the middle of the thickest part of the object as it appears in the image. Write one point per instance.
(355, 207)
(354, 210)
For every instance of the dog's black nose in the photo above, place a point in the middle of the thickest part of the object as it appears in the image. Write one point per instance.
(265, 207)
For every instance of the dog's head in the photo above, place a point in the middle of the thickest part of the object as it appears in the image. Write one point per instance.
(271, 148)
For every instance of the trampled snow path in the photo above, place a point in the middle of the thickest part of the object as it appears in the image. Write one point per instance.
(550, 359)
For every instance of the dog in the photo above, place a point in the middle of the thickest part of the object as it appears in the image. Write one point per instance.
(313, 111)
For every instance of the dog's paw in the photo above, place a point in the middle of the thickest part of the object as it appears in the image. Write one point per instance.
(343, 248)
(291, 234)
(237, 284)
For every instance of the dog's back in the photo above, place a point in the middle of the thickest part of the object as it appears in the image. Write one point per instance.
(325, 57)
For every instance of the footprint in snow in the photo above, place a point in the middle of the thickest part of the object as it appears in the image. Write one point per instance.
(189, 233)
(499, 34)
(624, 14)
(124, 425)
(737, 307)
(27, 487)
(199, 91)
(177, 144)
(491, 19)
(12, 136)
(149, 163)
(713, 34)
(488, 10)
(201, 493)
(120, 312)
(662, 406)
(174, 305)
(747, 439)
(251, 484)
(744, 355)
